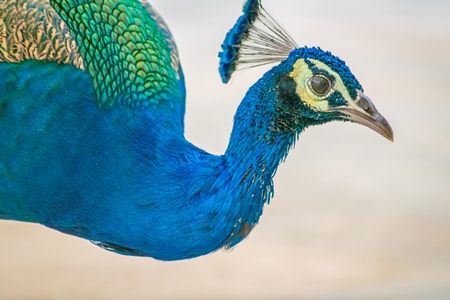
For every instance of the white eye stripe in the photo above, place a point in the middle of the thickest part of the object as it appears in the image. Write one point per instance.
(303, 76)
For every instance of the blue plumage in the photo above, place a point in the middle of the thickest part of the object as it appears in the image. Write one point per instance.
(78, 159)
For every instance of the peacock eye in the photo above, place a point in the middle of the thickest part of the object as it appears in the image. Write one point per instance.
(320, 85)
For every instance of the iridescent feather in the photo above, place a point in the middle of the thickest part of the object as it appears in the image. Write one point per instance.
(32, 29)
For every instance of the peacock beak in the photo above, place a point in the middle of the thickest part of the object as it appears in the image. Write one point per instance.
(364, 112)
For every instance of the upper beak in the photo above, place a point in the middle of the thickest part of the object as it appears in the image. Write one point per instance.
(363, 111)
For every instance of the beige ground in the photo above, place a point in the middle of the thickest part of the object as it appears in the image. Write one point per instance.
(354, 217)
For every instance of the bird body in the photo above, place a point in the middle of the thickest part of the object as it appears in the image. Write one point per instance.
(94, 146)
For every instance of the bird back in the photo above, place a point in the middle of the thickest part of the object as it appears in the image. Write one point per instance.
(127, 48)
(33, 30)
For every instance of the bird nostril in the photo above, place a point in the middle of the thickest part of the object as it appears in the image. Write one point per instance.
(370, 111)
(365, 105)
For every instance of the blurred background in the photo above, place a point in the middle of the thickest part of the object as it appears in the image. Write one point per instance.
(354, 216)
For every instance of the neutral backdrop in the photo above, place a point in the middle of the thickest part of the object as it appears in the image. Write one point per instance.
(354, 216)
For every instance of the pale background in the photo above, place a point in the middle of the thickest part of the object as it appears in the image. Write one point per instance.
(354, 216)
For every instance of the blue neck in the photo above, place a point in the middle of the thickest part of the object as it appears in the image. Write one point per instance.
(260, 138)
(258, 143)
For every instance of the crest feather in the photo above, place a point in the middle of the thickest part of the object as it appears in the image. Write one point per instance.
(256, 39)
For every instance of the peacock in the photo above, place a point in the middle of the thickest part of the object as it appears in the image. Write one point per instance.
(92, 103)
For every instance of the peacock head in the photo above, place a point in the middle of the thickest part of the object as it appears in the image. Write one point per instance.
(322, 88)
(311, 86)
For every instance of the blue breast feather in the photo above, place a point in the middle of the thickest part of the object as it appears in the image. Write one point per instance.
(118, 176)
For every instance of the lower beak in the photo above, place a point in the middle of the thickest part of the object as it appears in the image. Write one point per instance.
(363, 111)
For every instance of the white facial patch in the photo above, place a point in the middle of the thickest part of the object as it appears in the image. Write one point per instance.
(302, 75)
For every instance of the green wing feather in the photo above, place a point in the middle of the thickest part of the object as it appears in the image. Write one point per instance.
(123, 49)
(124, 45)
